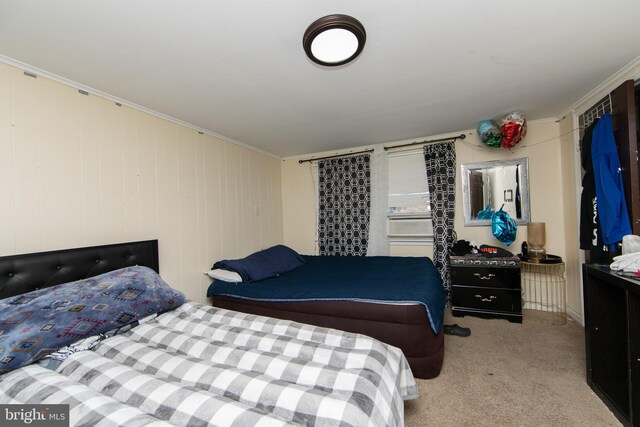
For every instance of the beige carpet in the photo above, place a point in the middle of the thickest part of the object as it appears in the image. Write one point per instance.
(508, 374)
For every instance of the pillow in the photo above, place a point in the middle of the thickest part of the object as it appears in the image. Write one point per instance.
(263, 264)
(37, 323)
(224, 275)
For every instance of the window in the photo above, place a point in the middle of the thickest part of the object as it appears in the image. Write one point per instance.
(408, 189)
(409, 213)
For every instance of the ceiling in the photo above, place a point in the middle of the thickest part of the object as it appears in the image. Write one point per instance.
(237, 68)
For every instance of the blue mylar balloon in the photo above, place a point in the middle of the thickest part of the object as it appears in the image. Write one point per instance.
(503, 227)
(489, 133)
(486, 213)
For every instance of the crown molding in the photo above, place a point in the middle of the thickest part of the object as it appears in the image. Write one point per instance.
(62, 80)
(631, 70)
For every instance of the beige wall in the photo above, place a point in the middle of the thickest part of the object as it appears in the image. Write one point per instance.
(542, 146)
(570, 183)
(299, 206)
(79, 170)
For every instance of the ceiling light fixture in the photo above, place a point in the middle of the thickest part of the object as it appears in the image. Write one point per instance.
(334, 40)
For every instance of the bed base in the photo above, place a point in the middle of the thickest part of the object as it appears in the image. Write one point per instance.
(404, 326)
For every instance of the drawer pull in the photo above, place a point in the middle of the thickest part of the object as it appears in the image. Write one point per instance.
(491, 298)
(487, 277)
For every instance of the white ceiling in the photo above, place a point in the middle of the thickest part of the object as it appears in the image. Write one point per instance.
(237, 67)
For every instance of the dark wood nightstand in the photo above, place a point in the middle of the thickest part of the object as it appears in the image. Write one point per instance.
(486, 287)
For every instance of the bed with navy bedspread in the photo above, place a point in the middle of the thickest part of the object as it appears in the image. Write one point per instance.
(398, 300)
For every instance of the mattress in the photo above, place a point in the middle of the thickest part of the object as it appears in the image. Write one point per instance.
(199, 365)
(404, 326)
(350, 278)
(397, 300)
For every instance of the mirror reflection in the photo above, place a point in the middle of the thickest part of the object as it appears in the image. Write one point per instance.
(488, 186)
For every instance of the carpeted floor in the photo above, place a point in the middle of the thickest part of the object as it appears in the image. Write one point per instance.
(508, 374)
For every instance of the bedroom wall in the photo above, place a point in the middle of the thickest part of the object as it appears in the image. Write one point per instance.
(571, 179)
(542, 146)
(79, 170)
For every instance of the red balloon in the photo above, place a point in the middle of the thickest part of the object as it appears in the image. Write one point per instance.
(511, 134)
(512, 130)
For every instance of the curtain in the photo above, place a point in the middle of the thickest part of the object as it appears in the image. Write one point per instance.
(344, 202)
(378, 240)
(440, 161)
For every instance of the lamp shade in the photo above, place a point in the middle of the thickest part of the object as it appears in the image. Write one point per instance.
(536, 234)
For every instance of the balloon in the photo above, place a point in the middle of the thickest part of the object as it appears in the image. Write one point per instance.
(503, 227)
(513, 129)
(486, 213)
(489, 133)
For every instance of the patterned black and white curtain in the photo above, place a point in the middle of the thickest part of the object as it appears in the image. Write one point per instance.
(344, 193)
(440, 160)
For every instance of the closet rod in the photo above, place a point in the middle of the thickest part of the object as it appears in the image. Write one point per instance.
(453, 138)
(312, 159)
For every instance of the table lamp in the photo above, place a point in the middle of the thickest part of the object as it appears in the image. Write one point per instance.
(536, 235)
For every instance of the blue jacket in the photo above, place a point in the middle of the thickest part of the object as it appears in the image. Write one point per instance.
(612, 206)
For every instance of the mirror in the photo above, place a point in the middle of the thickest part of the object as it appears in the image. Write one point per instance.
(488, 186)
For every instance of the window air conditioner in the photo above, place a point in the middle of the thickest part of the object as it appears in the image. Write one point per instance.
(409, 228)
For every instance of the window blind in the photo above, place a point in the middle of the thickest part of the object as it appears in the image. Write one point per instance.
(408, 189)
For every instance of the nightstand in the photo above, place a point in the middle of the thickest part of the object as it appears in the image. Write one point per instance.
(486, 287)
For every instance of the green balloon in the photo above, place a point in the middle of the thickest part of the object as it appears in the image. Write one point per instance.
(492, 140)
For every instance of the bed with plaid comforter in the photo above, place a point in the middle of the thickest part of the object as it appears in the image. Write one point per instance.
(201, 365)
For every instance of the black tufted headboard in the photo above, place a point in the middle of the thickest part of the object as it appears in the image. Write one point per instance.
(25, 273)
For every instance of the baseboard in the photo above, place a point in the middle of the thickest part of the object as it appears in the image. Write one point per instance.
(575, 315)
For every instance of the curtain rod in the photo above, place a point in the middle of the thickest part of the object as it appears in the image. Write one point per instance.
(353, 153)
(453, 138)
(312, 159)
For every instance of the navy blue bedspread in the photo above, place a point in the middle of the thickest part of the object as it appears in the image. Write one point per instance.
(374, 279)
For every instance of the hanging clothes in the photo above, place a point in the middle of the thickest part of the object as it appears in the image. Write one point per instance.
(590, 234)
(612, 206)
(588, 211)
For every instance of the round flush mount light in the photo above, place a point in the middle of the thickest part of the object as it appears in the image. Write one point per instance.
(334, 40)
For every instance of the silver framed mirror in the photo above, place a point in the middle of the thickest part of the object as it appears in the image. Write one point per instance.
(488, 186)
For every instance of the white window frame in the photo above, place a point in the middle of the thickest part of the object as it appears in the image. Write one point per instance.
(411, 227)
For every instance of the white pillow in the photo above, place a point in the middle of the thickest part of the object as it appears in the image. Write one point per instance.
(224, 275)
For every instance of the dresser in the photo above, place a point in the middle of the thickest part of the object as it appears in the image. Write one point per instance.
(612, 338)
(486, 287)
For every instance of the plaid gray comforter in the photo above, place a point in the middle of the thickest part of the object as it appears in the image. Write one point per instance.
(200, 365)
